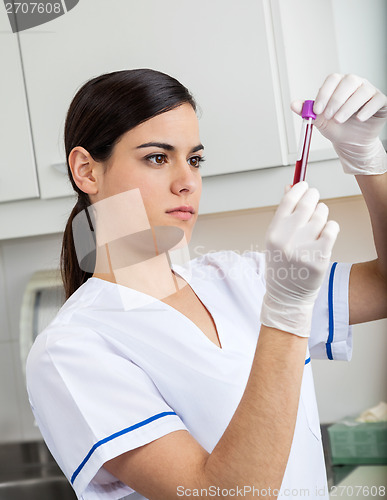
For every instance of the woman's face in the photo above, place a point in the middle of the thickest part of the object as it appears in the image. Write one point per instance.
(161, 157)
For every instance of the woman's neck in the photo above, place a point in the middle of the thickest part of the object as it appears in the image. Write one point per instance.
(153, 276)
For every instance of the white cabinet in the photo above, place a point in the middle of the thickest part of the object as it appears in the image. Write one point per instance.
(219, 50)
(307, 52)
(244, 62)
(319, 37)
(361, 38)
(18, 179)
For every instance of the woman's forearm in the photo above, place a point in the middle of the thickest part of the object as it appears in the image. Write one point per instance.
(255, 447)
(374, 189)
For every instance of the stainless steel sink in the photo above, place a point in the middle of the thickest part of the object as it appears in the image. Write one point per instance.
(54, 488)
(28, 471)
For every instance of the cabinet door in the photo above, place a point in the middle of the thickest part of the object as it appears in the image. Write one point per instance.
(316, 38)
(219, 49)
(18, 179)
(307, 53)
(362, 42)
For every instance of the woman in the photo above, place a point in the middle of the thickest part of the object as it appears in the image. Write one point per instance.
(194, 379)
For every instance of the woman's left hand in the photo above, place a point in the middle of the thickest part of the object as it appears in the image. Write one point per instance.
(351, 113)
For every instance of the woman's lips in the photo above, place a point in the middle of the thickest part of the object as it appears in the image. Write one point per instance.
(183, 212)
(180, 215)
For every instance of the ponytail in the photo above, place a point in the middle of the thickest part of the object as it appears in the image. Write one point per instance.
(72, 274)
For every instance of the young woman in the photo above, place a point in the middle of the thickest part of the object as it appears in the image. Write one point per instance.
(160, 380)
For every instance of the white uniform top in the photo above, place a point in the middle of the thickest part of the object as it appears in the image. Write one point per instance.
(104, 379)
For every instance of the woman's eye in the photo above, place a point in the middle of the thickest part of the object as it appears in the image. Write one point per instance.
(157, 159)
(195, 161)
(160, 159)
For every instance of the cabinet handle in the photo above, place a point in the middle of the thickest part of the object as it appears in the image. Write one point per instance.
(60, 167)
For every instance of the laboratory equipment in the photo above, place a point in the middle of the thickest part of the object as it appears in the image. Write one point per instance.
(308, 118)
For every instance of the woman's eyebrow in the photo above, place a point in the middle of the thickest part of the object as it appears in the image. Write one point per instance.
(197, 148)
(168, 147)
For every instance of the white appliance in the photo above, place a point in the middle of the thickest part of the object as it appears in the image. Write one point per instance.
(43, 297)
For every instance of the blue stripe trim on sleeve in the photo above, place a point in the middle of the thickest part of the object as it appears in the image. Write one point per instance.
(115, 435)
(307, 361)
(328, 345)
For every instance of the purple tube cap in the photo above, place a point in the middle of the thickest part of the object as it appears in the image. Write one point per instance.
(307, 110)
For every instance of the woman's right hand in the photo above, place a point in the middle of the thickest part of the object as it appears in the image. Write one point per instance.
(299, 244)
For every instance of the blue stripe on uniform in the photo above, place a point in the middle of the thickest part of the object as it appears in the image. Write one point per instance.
(118, 434)
(330, 312)
(307, 361)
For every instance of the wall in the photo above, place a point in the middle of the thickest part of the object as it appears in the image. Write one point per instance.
(361, 38)
(342, 388)
(19, 259)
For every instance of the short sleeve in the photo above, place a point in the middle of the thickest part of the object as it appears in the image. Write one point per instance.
(331, 334)
(93, 404)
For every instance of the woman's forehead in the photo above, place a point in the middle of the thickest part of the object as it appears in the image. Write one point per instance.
(177, 126)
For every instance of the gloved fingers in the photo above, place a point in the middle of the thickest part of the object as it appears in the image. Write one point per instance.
(296, 106)
(324, 94)
(308, 234)
(306, 207)
(327, 238)
(348, 86)
(360, 98)
(290, 199)
(382, 112)
(377, 106)
(318, 221)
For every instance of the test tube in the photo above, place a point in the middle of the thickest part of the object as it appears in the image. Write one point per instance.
(308, 118)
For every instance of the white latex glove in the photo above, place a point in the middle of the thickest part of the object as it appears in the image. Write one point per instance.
(351, 113)
(299, 243)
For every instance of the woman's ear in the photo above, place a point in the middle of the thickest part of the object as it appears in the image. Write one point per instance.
(85, 170)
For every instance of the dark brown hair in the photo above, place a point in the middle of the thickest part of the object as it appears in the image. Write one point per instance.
(104, 109)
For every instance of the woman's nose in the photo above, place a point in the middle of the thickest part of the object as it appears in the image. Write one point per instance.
(184, 177)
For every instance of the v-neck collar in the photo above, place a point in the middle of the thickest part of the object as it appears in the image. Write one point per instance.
(134, 299)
